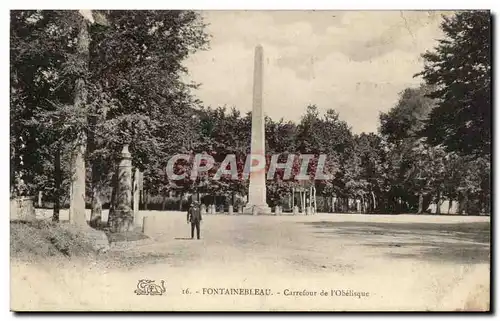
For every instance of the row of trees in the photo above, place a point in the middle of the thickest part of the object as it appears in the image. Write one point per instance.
(396, 170)
(433, 145)
(87, 84)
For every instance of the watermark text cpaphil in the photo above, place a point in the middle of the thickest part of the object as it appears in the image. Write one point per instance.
(295, 167)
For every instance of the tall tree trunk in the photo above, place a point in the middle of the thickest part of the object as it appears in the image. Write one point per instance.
(310, 196)
(438, 202)
(420, 203)
(77, 198)
(96, 206)
(57, 189)
(315, 201)
(466, 202)
(96, 203)
(374, 201)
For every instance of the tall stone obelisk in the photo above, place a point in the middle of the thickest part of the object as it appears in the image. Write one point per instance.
(257, 189)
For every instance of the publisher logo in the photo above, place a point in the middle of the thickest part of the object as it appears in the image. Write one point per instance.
(149, 287)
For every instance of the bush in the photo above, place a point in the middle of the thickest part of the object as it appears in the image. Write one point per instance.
(42, 238)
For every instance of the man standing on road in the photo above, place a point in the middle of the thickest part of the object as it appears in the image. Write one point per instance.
(194, 217)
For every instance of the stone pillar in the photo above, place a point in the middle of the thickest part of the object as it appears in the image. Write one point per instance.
(230, 210)
(123, 216)
(295, 210)
(77, 213)
(257, 188)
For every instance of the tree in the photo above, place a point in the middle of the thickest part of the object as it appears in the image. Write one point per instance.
(140, 98)
(407, 118)
(330, 136)
(368, 149)
(78, 170)
(409, 167)
(43, 73)
(127, 77)
(460, 70)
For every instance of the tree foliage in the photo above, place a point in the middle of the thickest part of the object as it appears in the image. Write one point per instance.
(460, 70)
(433, 144)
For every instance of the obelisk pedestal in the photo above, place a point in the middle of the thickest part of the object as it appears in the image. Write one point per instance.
(257, 188)
(123, 216)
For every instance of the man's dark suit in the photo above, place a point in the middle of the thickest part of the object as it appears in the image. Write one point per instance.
(194, 216)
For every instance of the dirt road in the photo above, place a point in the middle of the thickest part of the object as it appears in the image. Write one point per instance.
(322, 262)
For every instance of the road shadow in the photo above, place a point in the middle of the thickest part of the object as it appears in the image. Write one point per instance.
(451, 242)
(182, 238)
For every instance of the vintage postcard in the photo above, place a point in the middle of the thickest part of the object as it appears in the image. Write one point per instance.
(166, 160)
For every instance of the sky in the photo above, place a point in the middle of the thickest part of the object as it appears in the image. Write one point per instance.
(356, 62)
